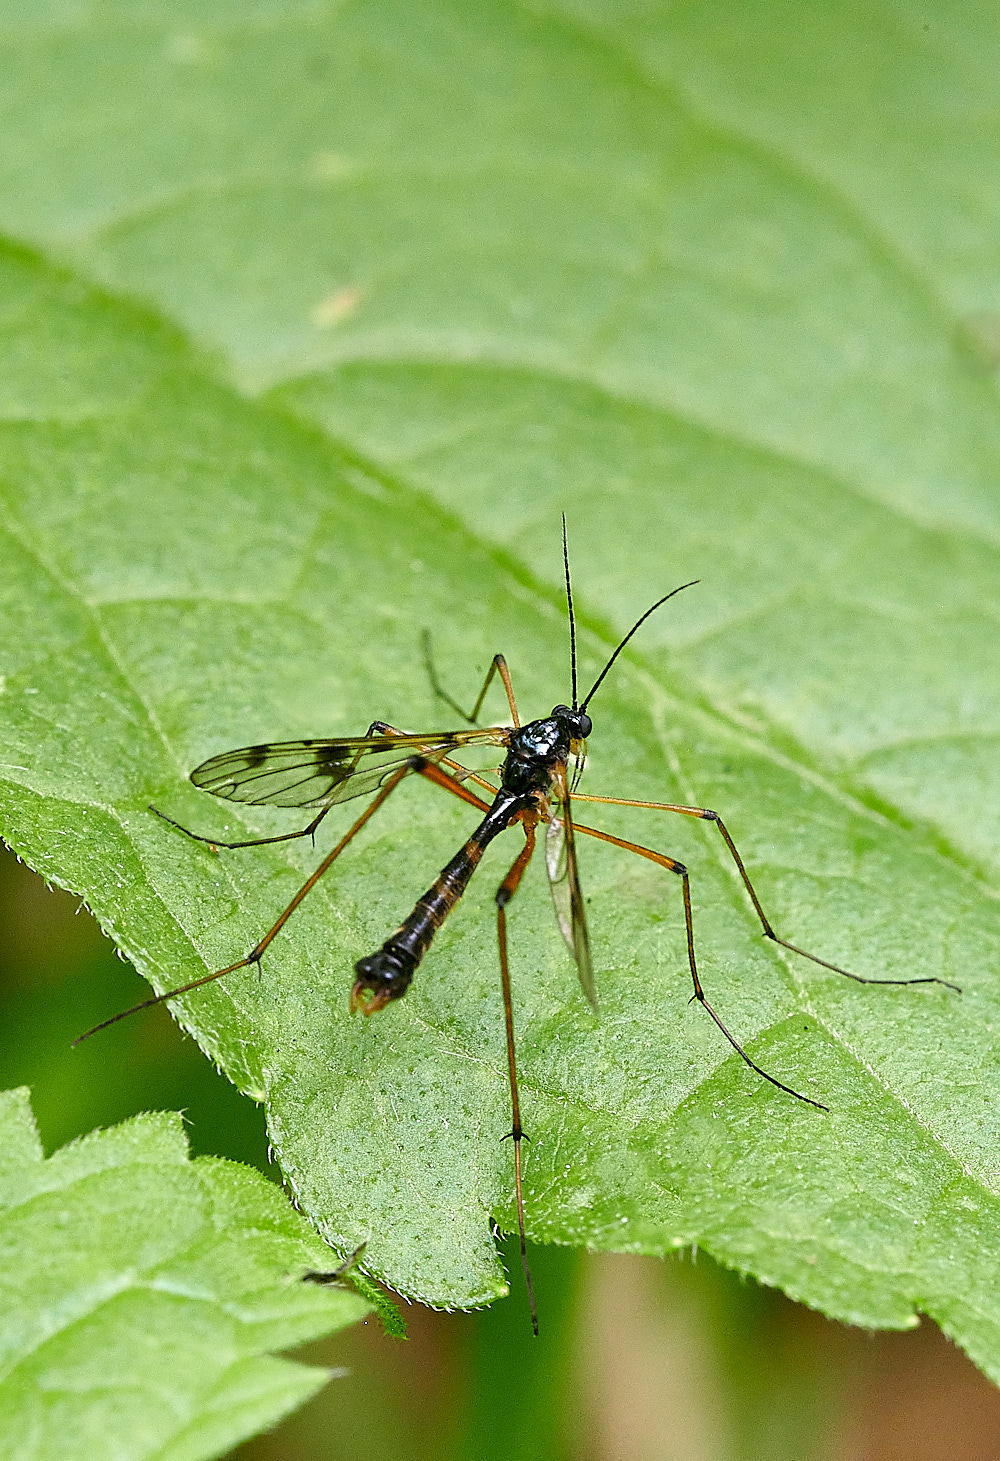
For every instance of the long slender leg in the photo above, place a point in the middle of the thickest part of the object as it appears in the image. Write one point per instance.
(707, 815)
(673, 866)
(497, 667)
(433, 772)
(253, 841)
(423, 768)
(504, 894)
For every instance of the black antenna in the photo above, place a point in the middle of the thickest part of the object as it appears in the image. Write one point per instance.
(628, 636)
(572, 621)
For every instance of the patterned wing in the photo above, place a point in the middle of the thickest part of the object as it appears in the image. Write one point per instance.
(564, 881)
(320, 773)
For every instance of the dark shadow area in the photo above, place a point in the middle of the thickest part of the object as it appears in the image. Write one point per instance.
(59, 975)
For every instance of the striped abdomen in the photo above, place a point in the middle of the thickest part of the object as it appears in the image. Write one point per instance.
(387, 972)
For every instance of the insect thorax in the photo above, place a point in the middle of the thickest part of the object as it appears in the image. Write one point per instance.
(535, 749)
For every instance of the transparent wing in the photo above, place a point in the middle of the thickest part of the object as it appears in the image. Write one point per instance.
(320, 773)
(564, 880)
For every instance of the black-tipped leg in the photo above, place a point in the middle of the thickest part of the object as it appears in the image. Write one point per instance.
(498, 666)
(417, 766)
(673, 866)
(707, 815)
(504, 894)
(215, 844)
(257, 951)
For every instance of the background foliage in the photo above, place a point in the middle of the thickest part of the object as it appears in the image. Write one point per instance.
(142, 1293)
(314, 318)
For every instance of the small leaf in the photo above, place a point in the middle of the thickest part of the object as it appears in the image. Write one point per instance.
(143, 1294)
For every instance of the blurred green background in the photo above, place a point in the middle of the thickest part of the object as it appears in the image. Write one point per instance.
(638, 1360)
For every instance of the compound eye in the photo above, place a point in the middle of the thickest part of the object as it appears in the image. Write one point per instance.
(585, 725)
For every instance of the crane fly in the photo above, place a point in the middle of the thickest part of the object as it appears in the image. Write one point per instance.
(536, 788)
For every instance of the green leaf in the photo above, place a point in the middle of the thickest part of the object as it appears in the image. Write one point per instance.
(721, 284)
(143, 1293)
